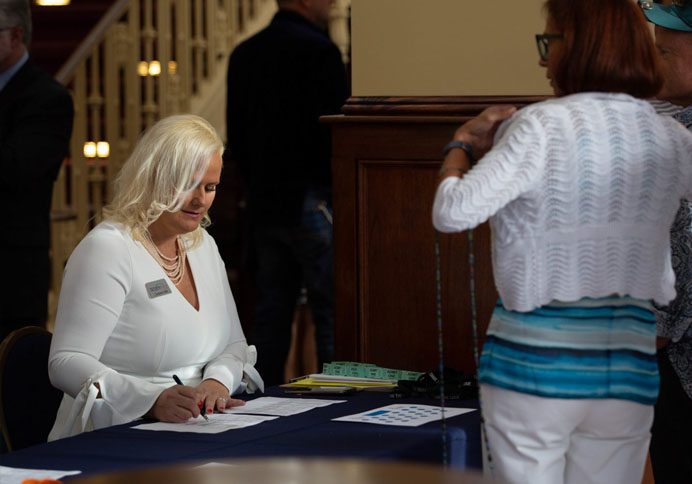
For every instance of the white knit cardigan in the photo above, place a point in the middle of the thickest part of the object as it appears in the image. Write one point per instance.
(581, 192)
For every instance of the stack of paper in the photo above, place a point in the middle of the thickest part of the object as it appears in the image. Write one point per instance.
(367, 370)
(322, 380)
(321, 377)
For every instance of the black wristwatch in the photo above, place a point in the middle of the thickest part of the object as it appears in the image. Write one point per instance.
(463, 145)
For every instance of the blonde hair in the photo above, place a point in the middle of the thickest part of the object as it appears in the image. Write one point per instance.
(167, 163)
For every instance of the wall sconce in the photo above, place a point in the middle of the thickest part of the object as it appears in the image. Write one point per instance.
(90, 149)
(52, 3)
(172, 67)
(152, 68)
(101, 149)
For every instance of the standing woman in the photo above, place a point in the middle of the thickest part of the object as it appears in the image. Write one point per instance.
(145, 295)
(581, 191)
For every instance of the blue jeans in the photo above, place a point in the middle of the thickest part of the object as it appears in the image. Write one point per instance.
(287, 259)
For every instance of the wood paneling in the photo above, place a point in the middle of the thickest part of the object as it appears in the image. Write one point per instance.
(386, 154)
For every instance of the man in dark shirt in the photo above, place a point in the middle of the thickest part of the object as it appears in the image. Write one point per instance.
(35, 127)
(280, 82)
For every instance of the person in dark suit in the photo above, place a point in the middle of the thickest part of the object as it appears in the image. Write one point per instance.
(35, 126)
(280, 82)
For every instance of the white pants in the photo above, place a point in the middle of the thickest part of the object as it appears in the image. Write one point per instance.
(558, 440)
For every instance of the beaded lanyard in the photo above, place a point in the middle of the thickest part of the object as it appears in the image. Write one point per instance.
(440, 347)
(474, 324)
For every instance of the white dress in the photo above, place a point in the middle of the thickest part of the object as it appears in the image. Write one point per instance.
(111, 329)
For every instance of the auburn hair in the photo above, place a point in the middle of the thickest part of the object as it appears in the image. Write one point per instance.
(606, 46)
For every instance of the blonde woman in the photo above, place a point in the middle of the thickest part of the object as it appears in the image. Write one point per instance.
(145, 295)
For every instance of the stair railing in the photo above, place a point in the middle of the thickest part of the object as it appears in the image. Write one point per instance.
(145, 59)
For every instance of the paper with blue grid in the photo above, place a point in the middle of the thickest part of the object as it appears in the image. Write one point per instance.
(405, 415)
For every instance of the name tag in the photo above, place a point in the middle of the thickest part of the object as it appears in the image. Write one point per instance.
(157, 288)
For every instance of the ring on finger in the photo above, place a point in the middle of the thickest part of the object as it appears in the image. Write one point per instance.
(222, 399)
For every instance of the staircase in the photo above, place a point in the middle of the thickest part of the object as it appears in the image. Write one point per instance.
(139, 61)
(58, 31)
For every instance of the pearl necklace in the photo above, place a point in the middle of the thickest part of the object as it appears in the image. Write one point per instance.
(174, 267)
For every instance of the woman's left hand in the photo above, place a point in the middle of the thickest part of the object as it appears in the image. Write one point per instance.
(213, 394)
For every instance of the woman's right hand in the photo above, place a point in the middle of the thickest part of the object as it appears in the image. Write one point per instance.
(175, 404)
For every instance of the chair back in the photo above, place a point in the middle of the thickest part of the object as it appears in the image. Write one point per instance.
(28, 402)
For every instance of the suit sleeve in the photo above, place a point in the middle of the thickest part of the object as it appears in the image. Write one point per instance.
(38, 134)
(236, 137)
(330, 91)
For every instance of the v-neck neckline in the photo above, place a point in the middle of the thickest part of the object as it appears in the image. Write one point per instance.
(195, 284)
(195, 287)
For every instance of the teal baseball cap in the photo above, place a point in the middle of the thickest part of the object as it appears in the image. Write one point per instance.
(677, 16)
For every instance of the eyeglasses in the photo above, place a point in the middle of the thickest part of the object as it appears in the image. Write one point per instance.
(542, 44)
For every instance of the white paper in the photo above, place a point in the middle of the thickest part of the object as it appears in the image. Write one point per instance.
(321, 377)
(405, 415)
(15, 475)
(214, 464)
(280, 406)
(218, 422)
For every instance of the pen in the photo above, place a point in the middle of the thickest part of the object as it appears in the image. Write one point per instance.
(179, 382)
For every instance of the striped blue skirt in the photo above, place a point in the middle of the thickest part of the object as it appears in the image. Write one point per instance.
(592, 348)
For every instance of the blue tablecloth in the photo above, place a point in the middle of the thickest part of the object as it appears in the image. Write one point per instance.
(310, 433)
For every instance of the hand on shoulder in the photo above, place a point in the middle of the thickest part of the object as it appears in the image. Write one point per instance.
(480, 131)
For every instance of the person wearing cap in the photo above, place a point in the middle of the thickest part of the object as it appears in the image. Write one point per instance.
(671, 440)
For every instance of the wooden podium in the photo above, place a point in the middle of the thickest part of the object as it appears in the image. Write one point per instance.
(386, 155)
